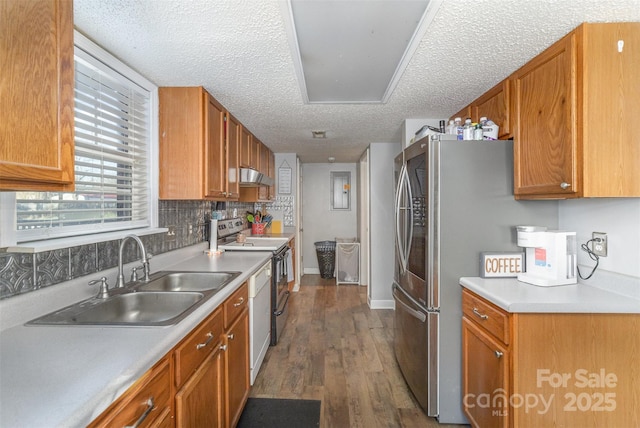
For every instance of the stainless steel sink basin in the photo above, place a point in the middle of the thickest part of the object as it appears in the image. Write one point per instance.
(188, 281)
(144, 308)
(165, 300)
(139, 308)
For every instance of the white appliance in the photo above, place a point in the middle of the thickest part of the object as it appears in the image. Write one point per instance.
(551, 256)
(454, 200)
(259, 317)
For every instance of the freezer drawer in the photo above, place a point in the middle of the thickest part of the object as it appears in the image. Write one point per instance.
(415, 345)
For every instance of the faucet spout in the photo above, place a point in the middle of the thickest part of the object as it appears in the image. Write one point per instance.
(145, 260)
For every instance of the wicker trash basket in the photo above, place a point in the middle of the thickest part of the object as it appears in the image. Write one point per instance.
(326, 252)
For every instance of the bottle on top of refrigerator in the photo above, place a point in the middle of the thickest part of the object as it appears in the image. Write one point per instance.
(451, 128)
(482, 121)
(490, 130)
(458, 123)
(477, 132)
(467, 130)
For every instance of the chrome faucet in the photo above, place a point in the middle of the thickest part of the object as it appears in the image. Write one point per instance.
(145, 260)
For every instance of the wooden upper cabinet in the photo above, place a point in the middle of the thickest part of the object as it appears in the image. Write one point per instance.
(545, 155)
(495, 105)
(265, 155)
(182, 146)
(195, 151)
(573, 107)
(215, 147)
(463, 114)
(36, 95)
(254, 160)
(233, 156)
(246, 142)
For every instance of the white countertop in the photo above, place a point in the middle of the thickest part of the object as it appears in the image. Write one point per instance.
(515, 296)
(65, 376)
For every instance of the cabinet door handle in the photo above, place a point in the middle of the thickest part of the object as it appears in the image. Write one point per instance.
(564, 185)
(239, 303)
(150, 407)
(223, 347)
(231, 336)
(479, 315)
(498, 354)
(204, 344)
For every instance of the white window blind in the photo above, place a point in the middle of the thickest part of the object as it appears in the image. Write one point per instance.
(112, 166)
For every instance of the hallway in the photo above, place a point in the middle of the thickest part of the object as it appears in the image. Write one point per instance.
(336, 350)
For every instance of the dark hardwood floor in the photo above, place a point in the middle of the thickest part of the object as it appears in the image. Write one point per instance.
(335, 349)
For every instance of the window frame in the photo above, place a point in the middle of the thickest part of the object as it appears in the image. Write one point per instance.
(9, 236)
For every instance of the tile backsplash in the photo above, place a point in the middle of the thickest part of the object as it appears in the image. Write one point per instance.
(22, 273)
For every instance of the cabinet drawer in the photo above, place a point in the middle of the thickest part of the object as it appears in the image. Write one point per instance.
(197, 346)
(487, 315)
(235, 304)
(151, 391)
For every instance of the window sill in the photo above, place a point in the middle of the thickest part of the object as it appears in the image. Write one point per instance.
(59, 243)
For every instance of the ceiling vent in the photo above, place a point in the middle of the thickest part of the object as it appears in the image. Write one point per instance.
(354, 51)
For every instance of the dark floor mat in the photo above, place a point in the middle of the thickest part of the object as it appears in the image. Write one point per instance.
(280, 413)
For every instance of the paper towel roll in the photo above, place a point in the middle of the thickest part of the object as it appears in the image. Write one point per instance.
(213, 236)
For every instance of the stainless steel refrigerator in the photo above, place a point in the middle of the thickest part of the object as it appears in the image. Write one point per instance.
(454, 200)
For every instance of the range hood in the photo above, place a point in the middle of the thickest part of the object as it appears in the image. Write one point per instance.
(251, 178)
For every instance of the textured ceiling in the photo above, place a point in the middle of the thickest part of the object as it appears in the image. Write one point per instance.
(238, 50)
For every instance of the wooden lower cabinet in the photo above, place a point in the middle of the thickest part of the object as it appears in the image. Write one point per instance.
(200, 402)
(146, 403)
(236, 339)
(551, 369)
(199, 362)
(486, 376)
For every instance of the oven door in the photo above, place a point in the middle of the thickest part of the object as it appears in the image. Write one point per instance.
(279, 294)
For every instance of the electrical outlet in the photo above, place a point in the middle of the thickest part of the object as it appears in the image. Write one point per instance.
(190, 229)
(171, 233)
(600, 242)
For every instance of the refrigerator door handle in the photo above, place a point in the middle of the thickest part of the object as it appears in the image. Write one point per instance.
(416, 314)
(401, 242)
(410, 219)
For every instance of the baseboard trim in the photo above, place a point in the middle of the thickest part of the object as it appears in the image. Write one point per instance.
(381, 304)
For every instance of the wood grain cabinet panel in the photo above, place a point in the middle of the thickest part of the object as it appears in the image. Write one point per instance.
(200, 403)
(195, 348)
(572, 105)
(237, 366)
(216, 148)
(148, 401)
(245, 148)
(37, 95)
(463, 114)
(233, 157)
(495, 105)
(196, 146)
(579, 368)
(485, 363)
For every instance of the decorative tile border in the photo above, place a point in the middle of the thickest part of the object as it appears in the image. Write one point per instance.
(23, 273)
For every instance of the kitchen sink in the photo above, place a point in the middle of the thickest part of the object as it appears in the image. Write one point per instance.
(132, 308)
(139, 308)
(188, 281)
(165, 300)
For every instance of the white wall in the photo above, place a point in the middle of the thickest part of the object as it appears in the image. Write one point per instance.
(619, 218)
(411, 126)
(381, 229)
(320, 222)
